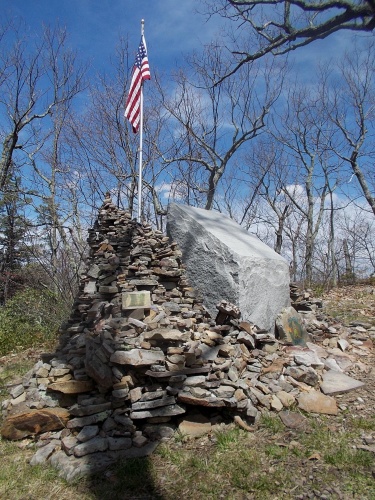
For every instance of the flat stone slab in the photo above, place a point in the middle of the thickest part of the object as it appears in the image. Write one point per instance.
(338, 383)
(89, 420)
(34, 422)
(195, 426)
(83, 411)
(137, 357)
(72, 386)
(184, 371)
(316, 402)
(293, 420)
(188, 398)
(225, 262)
(164, 335)
(164, 411)
(155, 403)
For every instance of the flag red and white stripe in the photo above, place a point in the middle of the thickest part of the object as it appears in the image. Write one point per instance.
(141, 72)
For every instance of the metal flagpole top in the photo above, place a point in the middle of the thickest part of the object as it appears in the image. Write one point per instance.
(142, 27)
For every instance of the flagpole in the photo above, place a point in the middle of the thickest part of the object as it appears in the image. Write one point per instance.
(140, 142)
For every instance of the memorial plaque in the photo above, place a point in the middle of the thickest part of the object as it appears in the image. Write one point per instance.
(136, 300)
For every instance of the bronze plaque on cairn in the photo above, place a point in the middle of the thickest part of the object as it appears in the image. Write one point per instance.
(136, 300)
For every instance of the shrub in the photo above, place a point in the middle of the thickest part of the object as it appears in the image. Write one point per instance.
(30, 319)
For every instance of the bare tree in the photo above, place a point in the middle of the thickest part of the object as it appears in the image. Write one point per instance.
(210, 124)
(283, 26)
(31, 90)
(356, 248)
(254, 196)
(304, 131)
(351, 108)
(39, 106)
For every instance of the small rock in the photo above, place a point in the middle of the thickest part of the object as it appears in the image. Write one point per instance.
(224, 391)
(68, 443)
(159, 431)
(308, 358)
(16, 391)
(331, 364)
(286, 399)
(139, 441)
(343, 344)
(276, 404)
(43, 454)
(87, 433)
(293, 420)
(94, 445)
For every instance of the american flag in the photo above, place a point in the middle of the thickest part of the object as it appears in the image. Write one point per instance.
(141, 72)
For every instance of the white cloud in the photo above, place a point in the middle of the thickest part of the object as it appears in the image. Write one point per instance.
(297, 191)
(167, 191)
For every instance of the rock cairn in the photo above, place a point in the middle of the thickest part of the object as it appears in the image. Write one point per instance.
(140, 354)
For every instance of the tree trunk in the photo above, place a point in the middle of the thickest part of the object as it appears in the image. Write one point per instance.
(280, 230)
(362, 181)
(9, 145)
(348, 262)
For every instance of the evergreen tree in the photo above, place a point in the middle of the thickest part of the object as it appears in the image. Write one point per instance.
(13, 245)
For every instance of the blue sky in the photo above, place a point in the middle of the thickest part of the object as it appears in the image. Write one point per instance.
(172, 28)
(94, 26)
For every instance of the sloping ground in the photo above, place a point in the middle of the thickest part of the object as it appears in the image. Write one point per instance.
(315, 456)
(352, 303)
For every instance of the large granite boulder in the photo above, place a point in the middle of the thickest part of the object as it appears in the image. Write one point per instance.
(224, 261)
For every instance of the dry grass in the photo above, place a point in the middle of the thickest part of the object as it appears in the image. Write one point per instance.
(351, 303)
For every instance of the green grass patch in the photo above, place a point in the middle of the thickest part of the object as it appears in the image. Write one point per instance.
(359, 423)
(226, 438)
(343, 455)
(271, 423)
(276, 452)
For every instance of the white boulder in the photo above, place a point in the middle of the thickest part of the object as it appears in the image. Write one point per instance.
(225, 262)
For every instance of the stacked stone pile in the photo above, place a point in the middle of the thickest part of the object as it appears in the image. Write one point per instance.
(304, 300)
(140, 355)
